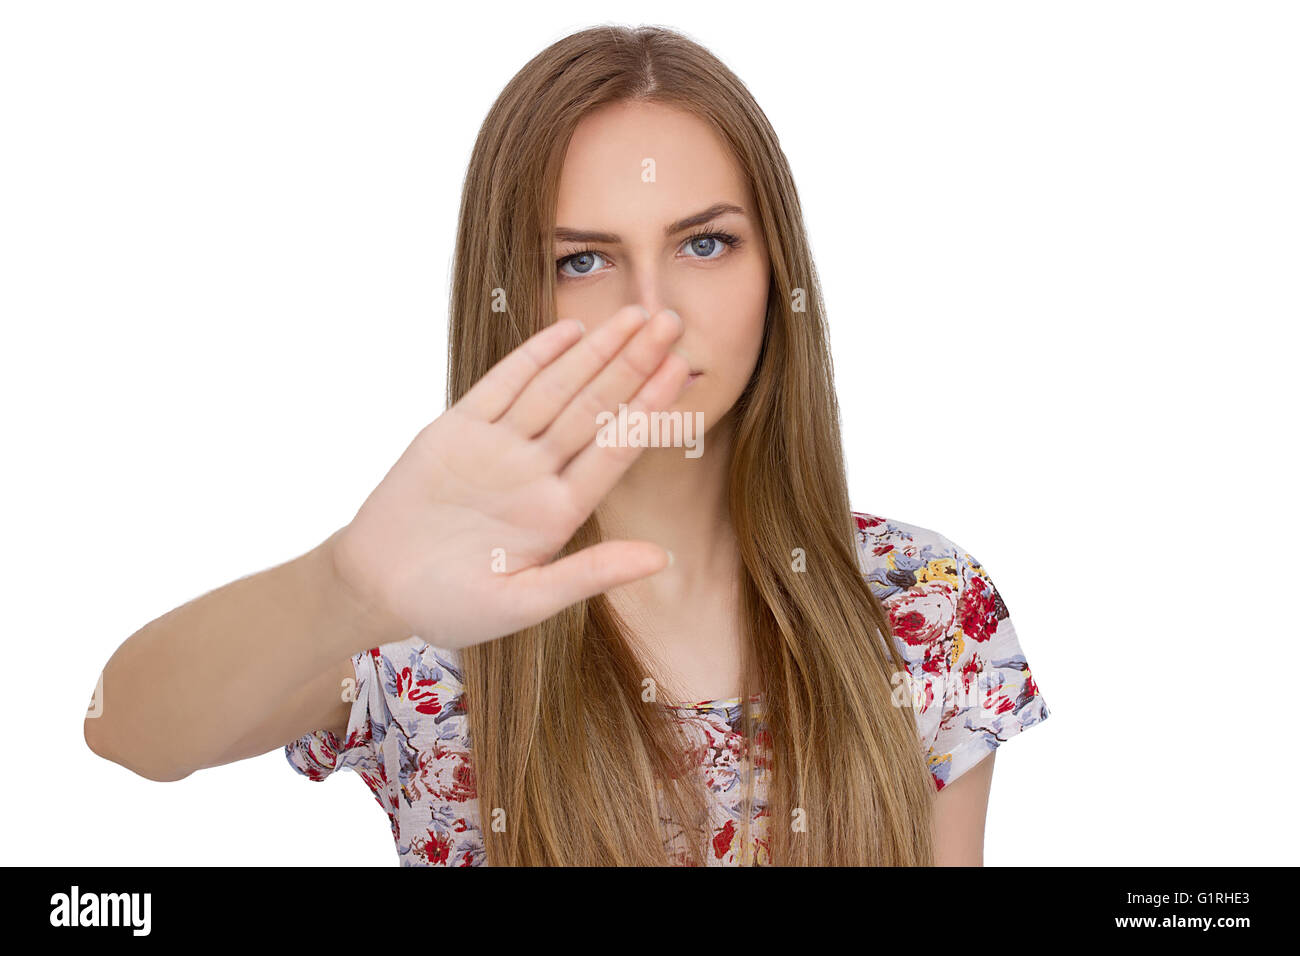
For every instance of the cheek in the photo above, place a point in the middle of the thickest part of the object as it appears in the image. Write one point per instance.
(731, 320)
(740, 311)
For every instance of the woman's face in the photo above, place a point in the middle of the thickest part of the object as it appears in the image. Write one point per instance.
(672, 225)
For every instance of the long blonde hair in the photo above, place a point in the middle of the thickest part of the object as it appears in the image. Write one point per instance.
(562, 740)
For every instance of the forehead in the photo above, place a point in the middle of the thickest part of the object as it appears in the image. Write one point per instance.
(602, 183)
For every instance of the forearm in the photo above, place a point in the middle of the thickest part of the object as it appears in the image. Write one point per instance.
(222, 669)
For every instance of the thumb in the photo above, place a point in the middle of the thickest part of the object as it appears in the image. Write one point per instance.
(549, 588)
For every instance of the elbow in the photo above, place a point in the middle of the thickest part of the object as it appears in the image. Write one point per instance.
(94, 733)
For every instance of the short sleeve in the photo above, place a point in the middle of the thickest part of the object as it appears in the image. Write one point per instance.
(318, 754)
(990, 695)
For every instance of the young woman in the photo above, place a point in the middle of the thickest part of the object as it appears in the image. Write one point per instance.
(540, 646)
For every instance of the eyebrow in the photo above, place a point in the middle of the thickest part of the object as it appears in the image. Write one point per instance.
(566, 234)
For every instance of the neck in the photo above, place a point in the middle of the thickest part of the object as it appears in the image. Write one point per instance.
(682, 504)
(686, 617)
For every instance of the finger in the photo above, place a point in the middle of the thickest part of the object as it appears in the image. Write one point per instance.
(617, 383)
(554, 387)
(597, 469)
(492, 394)
(547, 589)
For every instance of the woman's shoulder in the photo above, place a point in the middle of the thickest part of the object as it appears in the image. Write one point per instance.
(899, 554)
(417, 653)
(907, 563)
(971, 685)
(414, 675)
(923, 579)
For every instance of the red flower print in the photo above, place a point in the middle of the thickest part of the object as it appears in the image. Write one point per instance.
(722, 840)
(762, 750)
(1001, 704)
(977, 610)
(922, 615)
(436, 849)
(866, 521)
(444, 773)
(420, 693)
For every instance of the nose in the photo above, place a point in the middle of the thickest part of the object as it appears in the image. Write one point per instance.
(650, 287)
(654, 304)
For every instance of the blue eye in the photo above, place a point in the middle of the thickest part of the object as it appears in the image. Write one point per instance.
(581, 261)
(708, 245)
(708, 242)
(705, 245)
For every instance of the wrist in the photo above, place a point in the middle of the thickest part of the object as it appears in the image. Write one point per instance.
(355, 612)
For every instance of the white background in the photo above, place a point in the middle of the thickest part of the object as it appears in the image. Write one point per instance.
(1059, 245)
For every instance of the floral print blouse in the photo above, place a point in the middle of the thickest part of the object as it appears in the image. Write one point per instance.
(968, 678)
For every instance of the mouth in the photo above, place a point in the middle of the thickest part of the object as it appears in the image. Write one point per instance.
(692, 377)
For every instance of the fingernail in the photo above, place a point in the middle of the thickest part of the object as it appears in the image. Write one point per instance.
(645, 313)
(671, 559)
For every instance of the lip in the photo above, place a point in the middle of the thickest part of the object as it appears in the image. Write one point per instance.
(692, 377)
